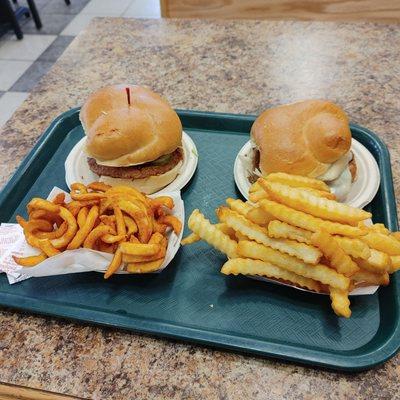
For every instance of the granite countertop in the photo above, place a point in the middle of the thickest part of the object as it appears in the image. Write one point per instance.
(227, 66)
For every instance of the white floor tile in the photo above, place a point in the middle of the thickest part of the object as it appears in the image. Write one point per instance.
(9, 102)
(11, 71)
(107, 7)
(29, 48)
(80, 22)
(143, 9)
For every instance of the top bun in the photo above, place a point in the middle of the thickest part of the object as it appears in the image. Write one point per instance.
(302, 138)
(120, 135)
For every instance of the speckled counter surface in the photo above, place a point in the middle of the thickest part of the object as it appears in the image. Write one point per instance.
(238, 67)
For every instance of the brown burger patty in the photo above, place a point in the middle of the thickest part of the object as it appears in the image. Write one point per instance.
(137, 171)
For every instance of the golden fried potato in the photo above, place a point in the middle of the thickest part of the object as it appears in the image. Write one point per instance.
(211, 234)
(353, 247)
(278, 229)
(297, 181)
(332, 251)
(246, 266)
(319, 272)
(239, 206)
(303, 251)
(316, 206)
(369, 278)
(340, 302)
(382, 242)
(259, 216)
(308, 222)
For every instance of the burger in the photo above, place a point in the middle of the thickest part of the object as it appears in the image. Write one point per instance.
(133, 137)
(310, 138)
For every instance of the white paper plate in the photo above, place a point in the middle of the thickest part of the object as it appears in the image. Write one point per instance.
(363, 189)
(77, 169)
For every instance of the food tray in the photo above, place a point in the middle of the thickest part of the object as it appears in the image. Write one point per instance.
(191, 300)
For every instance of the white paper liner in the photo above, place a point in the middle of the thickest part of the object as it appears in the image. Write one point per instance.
(362, 191)
(74, 261)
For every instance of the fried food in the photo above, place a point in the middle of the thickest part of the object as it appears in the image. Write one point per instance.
(259, 216)
(239, 206)
(245, 266)
(340, 302)
(297, 181)
(333, 252)
(307, 221)
(278, 229)
(211, 234)
(30, 261)
(293, 230)
(382, 242)
(118, 220)
(316, 206)
(319, 272)
(305, 252)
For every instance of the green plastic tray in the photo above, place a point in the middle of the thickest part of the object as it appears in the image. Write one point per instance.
(191, 300)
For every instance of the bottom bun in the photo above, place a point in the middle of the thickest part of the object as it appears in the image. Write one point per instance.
(148, 185)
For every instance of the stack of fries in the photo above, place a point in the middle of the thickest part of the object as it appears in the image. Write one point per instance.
(293, 230)
(118, 220)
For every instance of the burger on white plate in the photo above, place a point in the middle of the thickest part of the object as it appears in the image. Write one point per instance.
(310, 138)
(133, 137)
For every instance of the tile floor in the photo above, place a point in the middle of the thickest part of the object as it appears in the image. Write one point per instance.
(24, 62)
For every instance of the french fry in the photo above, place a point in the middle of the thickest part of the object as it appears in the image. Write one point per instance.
(92, 196)
(308, 222)
(42, 244)
(160, 255)
(99, 186)
(353, 247)
(130, 225)
(140, 218)
(380, 228)
(278, 229)
(171, 221)
(139, 249)
(54, 234)
(84, 231)
(130, 191)
(259, 216)
(110, 239)
(246, 266)
(316, 206)
(193, 237)
(334, 253)
(165, 201)
(190, 239)
(96, 234)
(59, 199)
(340, 302)
(369, 278)
(144, 267)
(396, 235)
(394, 264)
(69, 234)
(382, 242)
(318, 272)
(297, 181)
(303, 251)
(211, 234)
(319, 193)
(41, 204)
(255, 187)
(78, 187)
(255, 197)
(30, 261)
(114, 265)
(81, 217)
(377, 262)
(239, 206)
(34, 224)
(119, 220)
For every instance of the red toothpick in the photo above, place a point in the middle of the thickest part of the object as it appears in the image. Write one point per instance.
(128, 94)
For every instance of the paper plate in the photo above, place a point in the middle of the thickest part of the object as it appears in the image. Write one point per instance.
(77, 169)
(363, 189)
